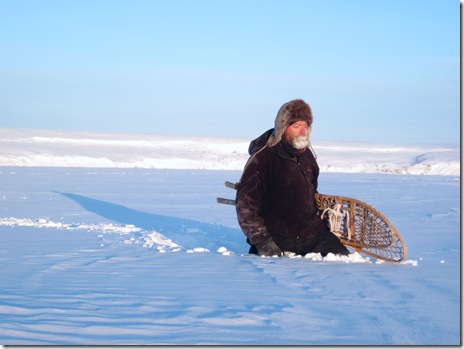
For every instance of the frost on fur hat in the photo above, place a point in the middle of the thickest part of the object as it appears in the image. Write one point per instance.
(289, 113)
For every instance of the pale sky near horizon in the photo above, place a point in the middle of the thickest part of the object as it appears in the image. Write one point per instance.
(371, 70)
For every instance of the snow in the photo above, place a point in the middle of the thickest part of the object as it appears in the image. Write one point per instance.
(133, 256)
(19, 147)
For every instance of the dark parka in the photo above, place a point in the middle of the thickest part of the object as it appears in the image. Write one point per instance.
(275, 196)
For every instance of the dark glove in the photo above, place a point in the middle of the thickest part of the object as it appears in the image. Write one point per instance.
(268, 248)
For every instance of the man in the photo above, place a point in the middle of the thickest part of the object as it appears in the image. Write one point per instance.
(275, 201)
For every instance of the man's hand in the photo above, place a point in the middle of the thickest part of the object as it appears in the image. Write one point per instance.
(268, 248)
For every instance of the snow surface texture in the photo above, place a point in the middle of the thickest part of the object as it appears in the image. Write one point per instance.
(78, 149)
(143, 256)
(125, 256)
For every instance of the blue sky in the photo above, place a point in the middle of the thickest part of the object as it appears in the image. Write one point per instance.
(375, 71)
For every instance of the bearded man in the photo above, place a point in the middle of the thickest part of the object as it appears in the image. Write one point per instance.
(275, 203)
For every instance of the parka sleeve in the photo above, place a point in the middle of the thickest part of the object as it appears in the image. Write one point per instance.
(249, 199)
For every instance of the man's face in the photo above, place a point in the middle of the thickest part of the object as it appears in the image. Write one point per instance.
(297, 134)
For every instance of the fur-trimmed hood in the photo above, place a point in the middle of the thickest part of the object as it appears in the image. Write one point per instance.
(289, 113)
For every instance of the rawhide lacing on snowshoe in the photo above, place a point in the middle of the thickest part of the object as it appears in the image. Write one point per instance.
(336, 217)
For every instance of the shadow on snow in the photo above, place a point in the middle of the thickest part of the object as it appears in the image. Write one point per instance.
(184, 232)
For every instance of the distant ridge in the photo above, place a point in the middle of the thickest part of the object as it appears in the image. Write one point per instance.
(49, 148)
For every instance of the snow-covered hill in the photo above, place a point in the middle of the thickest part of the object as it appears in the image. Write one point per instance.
(26, 147)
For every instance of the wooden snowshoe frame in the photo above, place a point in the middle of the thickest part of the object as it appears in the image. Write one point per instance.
(364, 228)
(360, 227)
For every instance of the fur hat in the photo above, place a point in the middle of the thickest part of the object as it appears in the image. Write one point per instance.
(289, 113)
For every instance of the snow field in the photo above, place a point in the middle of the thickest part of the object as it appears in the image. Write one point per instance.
(145, 256)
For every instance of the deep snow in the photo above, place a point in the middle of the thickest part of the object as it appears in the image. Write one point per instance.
(146, 256)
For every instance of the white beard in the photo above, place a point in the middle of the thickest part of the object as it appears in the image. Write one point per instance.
(300, 142)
